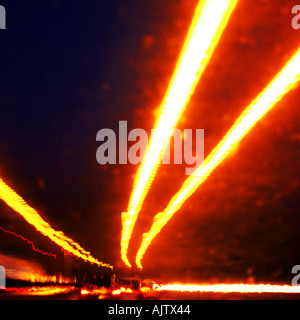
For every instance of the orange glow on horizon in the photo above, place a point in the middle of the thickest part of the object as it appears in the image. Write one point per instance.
(43, 291)
(284, 81)
(208, 24)
(18, 204)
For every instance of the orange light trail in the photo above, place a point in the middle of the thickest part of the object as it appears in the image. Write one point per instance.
(30, 242)
(209, 22)
(42, 291)
(18, 204)
(121, 290)
(284, 81)
(229, 288)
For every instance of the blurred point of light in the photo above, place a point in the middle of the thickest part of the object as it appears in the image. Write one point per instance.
(229, 288)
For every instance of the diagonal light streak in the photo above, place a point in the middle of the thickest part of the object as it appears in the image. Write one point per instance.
(284, 81)
(18, 204)
(210, 20)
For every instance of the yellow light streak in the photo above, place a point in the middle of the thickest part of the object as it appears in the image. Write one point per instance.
(18, 204)
(210, 20)
(285, 80)
(228, 288)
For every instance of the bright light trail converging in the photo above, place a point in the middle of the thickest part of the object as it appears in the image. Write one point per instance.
(13, 200)
(229, 288)
(285, 80)
(210, 20)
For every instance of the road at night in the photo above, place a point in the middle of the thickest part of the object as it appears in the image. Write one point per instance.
(78, 80)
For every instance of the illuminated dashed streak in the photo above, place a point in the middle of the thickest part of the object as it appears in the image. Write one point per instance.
(209, 22)
(229, 288)
(13, 200)
(281, 84)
